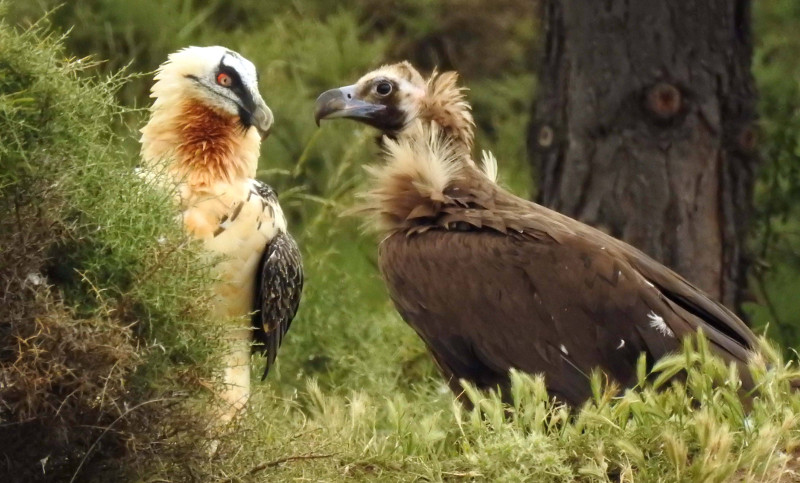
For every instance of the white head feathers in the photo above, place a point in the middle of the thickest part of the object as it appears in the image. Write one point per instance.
(218, 77)
(206, 117)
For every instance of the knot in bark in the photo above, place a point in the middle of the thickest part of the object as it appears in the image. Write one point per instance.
(664, 100)
(545, 137)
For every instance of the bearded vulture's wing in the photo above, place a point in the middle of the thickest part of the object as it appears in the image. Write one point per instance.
(279, 285)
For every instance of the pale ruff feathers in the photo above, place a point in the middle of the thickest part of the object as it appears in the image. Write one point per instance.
(446, 106)
(489, 165)
(415, 175)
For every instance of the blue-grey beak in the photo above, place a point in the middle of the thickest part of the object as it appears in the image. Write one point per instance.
(343, 103)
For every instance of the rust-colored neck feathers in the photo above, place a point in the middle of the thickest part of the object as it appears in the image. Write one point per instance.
(209, 144)
(198, 145)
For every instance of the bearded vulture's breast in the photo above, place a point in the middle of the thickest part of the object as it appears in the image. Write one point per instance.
(260, 269)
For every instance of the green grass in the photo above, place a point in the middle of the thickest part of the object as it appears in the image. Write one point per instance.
(354, 394)
(391, 431)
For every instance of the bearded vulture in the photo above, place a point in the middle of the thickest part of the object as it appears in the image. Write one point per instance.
(203, 140)
(491, 281)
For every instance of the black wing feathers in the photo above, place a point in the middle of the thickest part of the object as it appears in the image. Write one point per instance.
(279, 285)
(278, 290)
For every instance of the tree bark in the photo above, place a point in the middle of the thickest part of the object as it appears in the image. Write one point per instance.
(644, 127)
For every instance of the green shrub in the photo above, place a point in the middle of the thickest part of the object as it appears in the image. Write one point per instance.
(103, 329)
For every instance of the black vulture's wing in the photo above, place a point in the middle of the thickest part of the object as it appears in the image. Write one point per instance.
(486, 302)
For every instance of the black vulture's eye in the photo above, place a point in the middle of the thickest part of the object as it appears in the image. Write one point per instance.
(383, 88)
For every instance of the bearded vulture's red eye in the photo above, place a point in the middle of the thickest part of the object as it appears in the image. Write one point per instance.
(224, 79)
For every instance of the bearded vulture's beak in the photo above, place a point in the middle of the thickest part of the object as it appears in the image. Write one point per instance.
(262, 118)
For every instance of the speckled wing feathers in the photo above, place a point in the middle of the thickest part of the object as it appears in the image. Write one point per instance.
(279, 286)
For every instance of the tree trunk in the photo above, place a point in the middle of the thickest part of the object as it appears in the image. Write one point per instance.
(644, 128)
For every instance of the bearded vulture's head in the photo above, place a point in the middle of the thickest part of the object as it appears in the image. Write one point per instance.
(208, 118)
(217, 78)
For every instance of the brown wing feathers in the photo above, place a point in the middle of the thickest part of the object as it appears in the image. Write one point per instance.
(279, 286)
(491, 281)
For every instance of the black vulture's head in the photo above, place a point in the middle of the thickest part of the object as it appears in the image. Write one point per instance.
(388, 98)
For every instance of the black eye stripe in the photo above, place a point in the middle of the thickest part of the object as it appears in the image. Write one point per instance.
(236, 79)
(246, 102)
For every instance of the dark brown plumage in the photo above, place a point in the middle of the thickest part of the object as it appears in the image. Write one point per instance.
(491, 281)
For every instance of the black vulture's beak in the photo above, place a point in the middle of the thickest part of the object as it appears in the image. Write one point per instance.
(342, 102)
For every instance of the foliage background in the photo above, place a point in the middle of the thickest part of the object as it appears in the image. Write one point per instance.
(354, 393)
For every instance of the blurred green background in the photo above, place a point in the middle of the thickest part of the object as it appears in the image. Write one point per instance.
(304, 47)
(347, 336)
